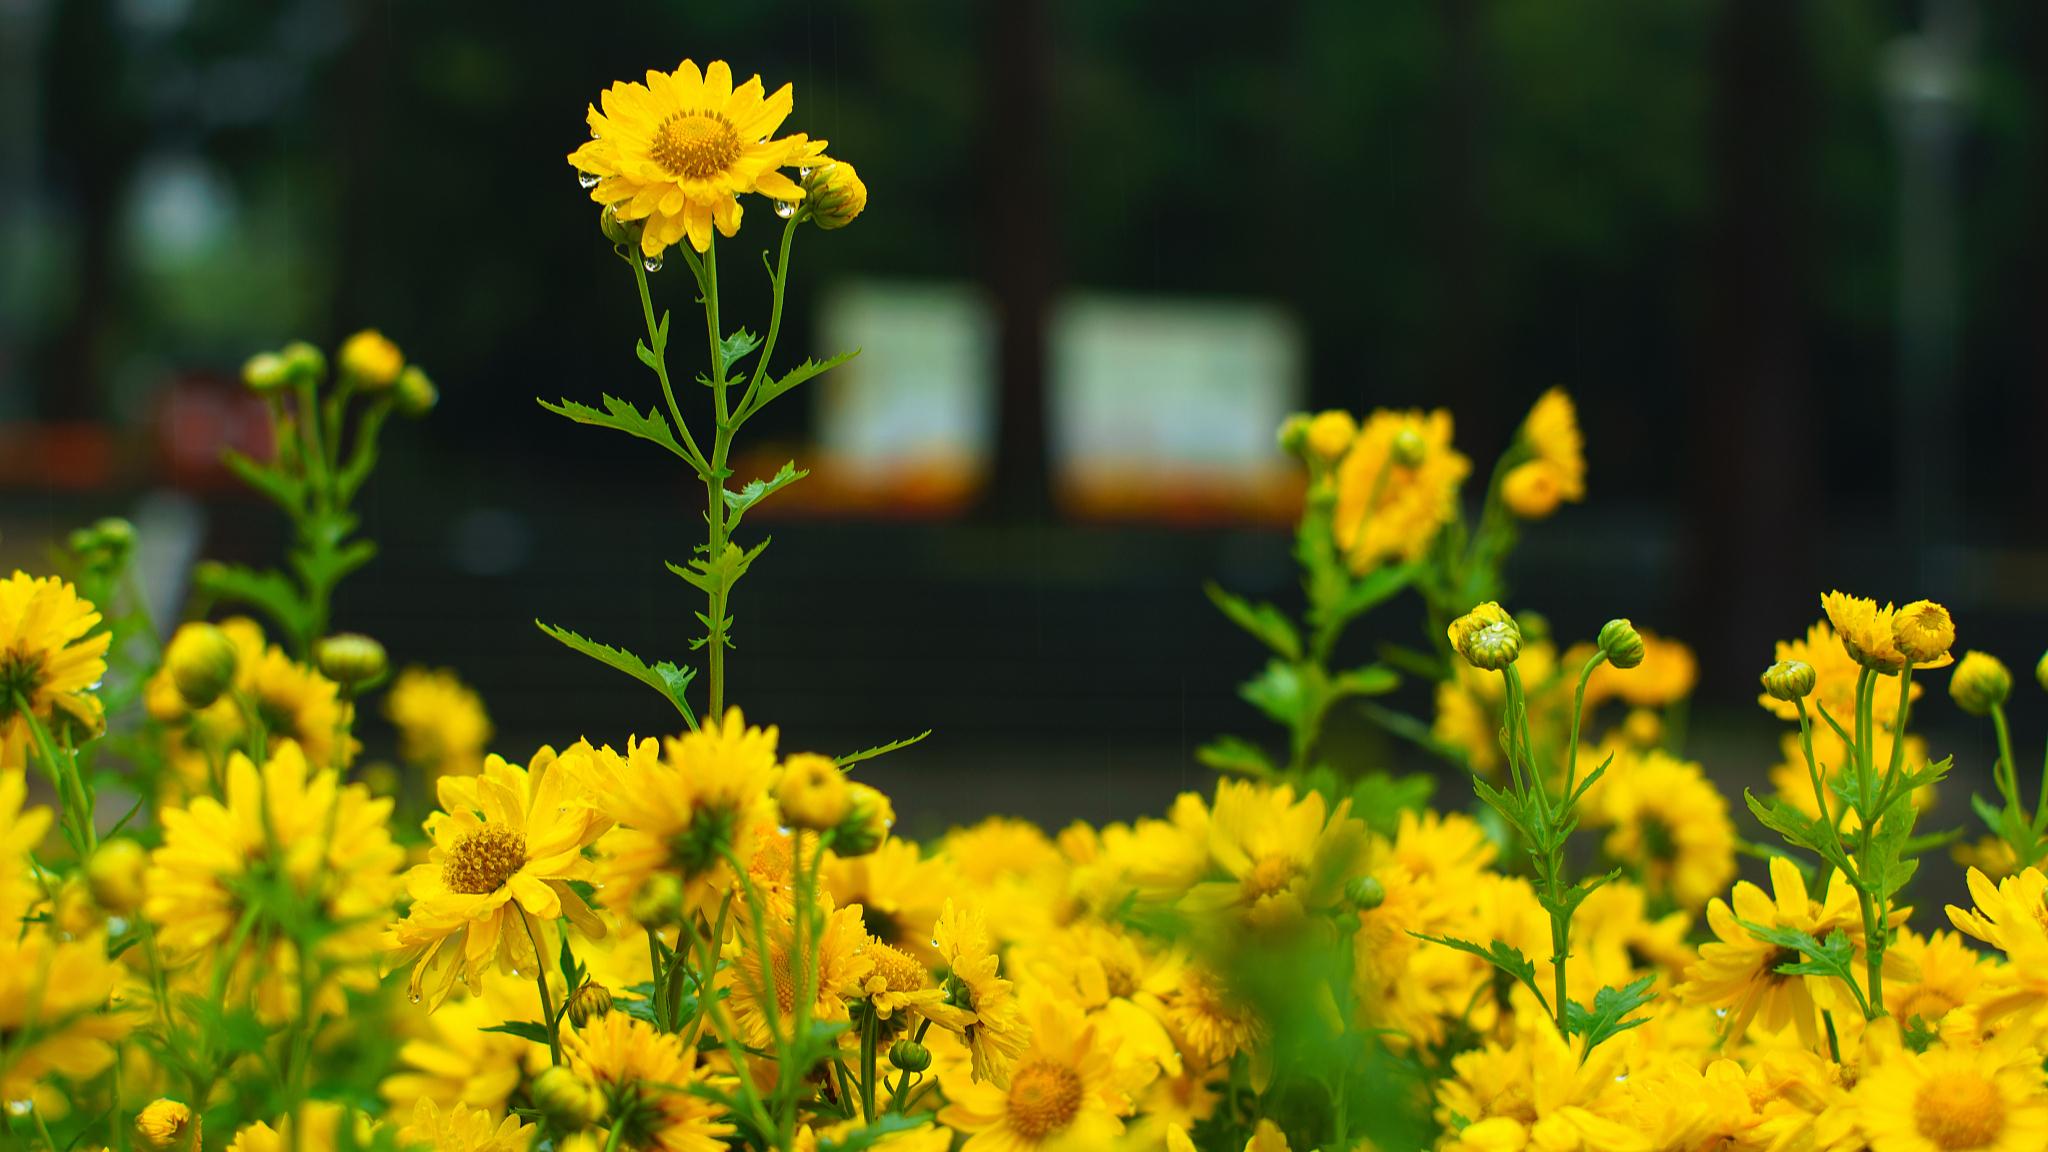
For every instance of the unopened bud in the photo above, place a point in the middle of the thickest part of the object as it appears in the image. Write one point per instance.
(869, 816)
(1980, 683)
(351, 659)
(1532, 490)
(371, 360)
(305, 363)
(1366, 893)
(619, 231)
(910, 1056)
(1330, 434)
(266, 372)
(568, 1101)
(163, 1125)
(1789, 680)
(114, 871)
(1293, 434)
(1409, 448)
(833, 193)
(1923, 631)
(813, 793)
(201, 660)
(590, 1002)
(1622, 643)
(1487, 637)
(414, 394)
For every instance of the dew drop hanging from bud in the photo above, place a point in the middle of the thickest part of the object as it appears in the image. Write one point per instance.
(652, 263)
(785, 208)
(803, 173)
(587, 179)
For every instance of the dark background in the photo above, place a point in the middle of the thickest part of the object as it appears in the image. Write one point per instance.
(1786, 255)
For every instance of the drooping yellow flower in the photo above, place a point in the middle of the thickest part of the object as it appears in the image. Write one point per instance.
(285, 823)
(1068, 1089)
(678, 151)
(1739, 972)
(842, 968)
(997, 1031)
(441, 722)
(461, 1129)
(1551, 433)
(646, 1077)
(1282, 857)
(1869, 634)
(1667, 821)
(899, 989)
(1992, 1099)
(1388, 509)
(506, 845)
(48, 663)
(682, 808)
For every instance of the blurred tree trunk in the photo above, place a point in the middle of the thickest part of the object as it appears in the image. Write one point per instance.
(1751, 489)
(1018, 244)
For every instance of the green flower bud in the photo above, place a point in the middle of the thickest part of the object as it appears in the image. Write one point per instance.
(1789, 680)
(266, 372)
(1410, 449)
(304, 363)
(351, 659)
(910, 1056)
(868, 819)
(1366, 893)
(833, 193)
(1622, 643)
(590, 1002)
(1293, 433)
(201, 660)
(414, 394)
(1980, 683)
(619, 231)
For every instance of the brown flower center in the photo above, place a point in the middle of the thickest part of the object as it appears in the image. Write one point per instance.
(1958, 1111)
(698, 145)
(1044, 1098)
(482, 861)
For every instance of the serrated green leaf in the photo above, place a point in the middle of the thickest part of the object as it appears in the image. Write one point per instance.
(282, 489)
(1230, 754)
(666, 678)
(1267, 624)
(1611, 1012)
(1374, 589)
(795, 376)
(1501, 955)
(852, 758)
(650, 426)
(324, 565)
(269, 591)
(646, 355)
(881, 1128)
(754, 491)
(738, 346)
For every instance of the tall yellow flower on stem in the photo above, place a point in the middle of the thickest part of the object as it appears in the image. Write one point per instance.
(1396, 487)
(506, 846)
(48, 662)
(678, 152)
(646, 1077)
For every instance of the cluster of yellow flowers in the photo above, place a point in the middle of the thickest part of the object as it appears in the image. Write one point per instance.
(702, 941)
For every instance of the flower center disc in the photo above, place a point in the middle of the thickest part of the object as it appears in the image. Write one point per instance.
(698, 145)
(1271, 874)
(1044, 1098)
(1959, 1112)
(483, 860)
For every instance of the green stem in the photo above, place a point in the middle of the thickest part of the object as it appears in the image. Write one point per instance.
(714, 485)
(1571, 772)
(657, 342)
(779, 280)
(78, 807)
(869, 1034)
(540, 980)
(2006, 773)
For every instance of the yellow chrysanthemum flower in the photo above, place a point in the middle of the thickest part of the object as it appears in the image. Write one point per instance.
(289, 824)
(59, 1008)
(899, 990)
(1208, 1021)
(901, 892)
(1946, 974)
(322, 1120)
(1991, 1099)
(1283, 857)
(682, 807)
(2011, 916)
(678, 151)
(842, 968)
(646, 1077)
(1667, 821)
(1870, 634)
(506, 845)
(1389, 510)
(1505, 1094)
(996, 1032)
(441, 722)
(48, 663)
(1739, 972)
(461, 1129)
(1068, 1089)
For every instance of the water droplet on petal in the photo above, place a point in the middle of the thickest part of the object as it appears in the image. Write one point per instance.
(785, 208)
(587, 179)
(652, 263)
(20, 1107)
(415, 997)
(803, 173)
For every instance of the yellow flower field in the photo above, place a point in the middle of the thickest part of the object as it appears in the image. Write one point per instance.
(227, 931)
